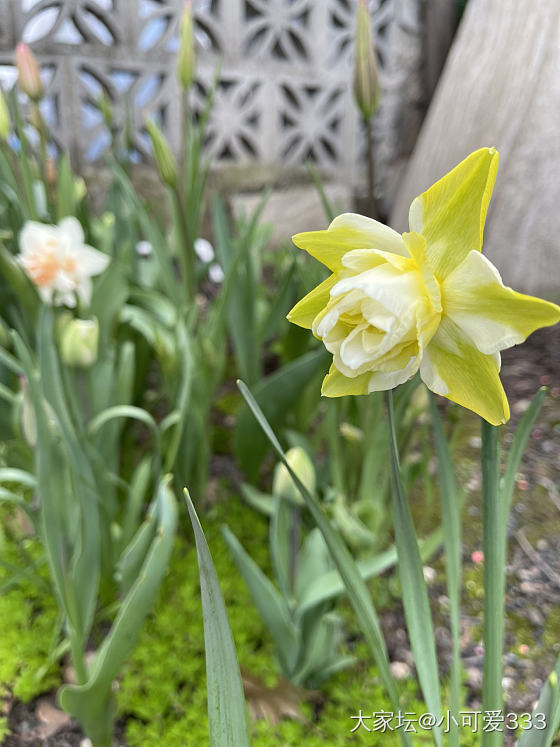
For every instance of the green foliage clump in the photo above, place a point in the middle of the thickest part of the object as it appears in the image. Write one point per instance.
(28, 616)
(163, 690)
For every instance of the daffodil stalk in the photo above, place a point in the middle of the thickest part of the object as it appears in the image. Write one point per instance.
(366, 90)
(429, 301)
(494, 548)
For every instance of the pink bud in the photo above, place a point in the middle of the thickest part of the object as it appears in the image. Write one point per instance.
(477, 557)
(29, 74)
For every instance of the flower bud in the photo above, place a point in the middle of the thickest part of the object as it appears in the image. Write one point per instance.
(5, 122)
(366, 79)
(163, 155)
(186, 56)
(79, 341)
(283, 486)
(29, 74)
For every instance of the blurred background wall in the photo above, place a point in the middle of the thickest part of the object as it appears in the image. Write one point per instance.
(284, 91)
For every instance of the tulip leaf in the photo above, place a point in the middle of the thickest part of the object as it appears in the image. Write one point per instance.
(227, 718)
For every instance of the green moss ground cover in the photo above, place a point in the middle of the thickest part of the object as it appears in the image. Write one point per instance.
(162, 694)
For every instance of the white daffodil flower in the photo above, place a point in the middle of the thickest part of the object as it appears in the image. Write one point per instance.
(58, 262)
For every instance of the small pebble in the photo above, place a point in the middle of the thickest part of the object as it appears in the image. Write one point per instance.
(400, 670)
(430, 574)
(474, 678)
(508, 683)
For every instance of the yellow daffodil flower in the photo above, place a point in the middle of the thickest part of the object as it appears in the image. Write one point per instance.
(428, 300)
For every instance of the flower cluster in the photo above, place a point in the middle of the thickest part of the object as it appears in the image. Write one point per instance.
(426, 300)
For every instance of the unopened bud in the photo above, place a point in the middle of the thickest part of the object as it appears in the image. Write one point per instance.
(163, 155)
(351, 433)
(283, 485)
(186, 56)
(366, 79)
(5, 122)
(80, 189)
(50, 171)
(79, 341)
(29, 74)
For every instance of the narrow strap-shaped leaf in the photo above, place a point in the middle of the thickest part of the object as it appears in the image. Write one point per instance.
(356, 588)
(549, 707)
(226, 702)
(414, 590)
(11, 474)
(517, 448)
(122, 411)
(270, 604)
(451, 519)
(330, 585)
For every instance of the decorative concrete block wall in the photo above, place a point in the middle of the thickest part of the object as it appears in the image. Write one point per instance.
(284, 93)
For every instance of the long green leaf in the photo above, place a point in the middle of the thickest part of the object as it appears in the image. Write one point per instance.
(330, 584)
(276, 395)
(226, 703)
(270, 604)
(414, 590)
(356, 589)
(451, 518)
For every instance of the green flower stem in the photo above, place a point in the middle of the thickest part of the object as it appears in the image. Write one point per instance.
(373, 213)
(186, 247)
(494, 547)
(333, 436)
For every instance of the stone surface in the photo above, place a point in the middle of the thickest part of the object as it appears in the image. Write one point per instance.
(501, 87)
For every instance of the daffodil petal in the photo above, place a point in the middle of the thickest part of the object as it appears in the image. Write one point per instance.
(72, 230)
(347, 232)
(494, 316)
(451, 214)
(336, 384)
(305, 311)
(90, 261)
(416, 245)
(454, 368)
